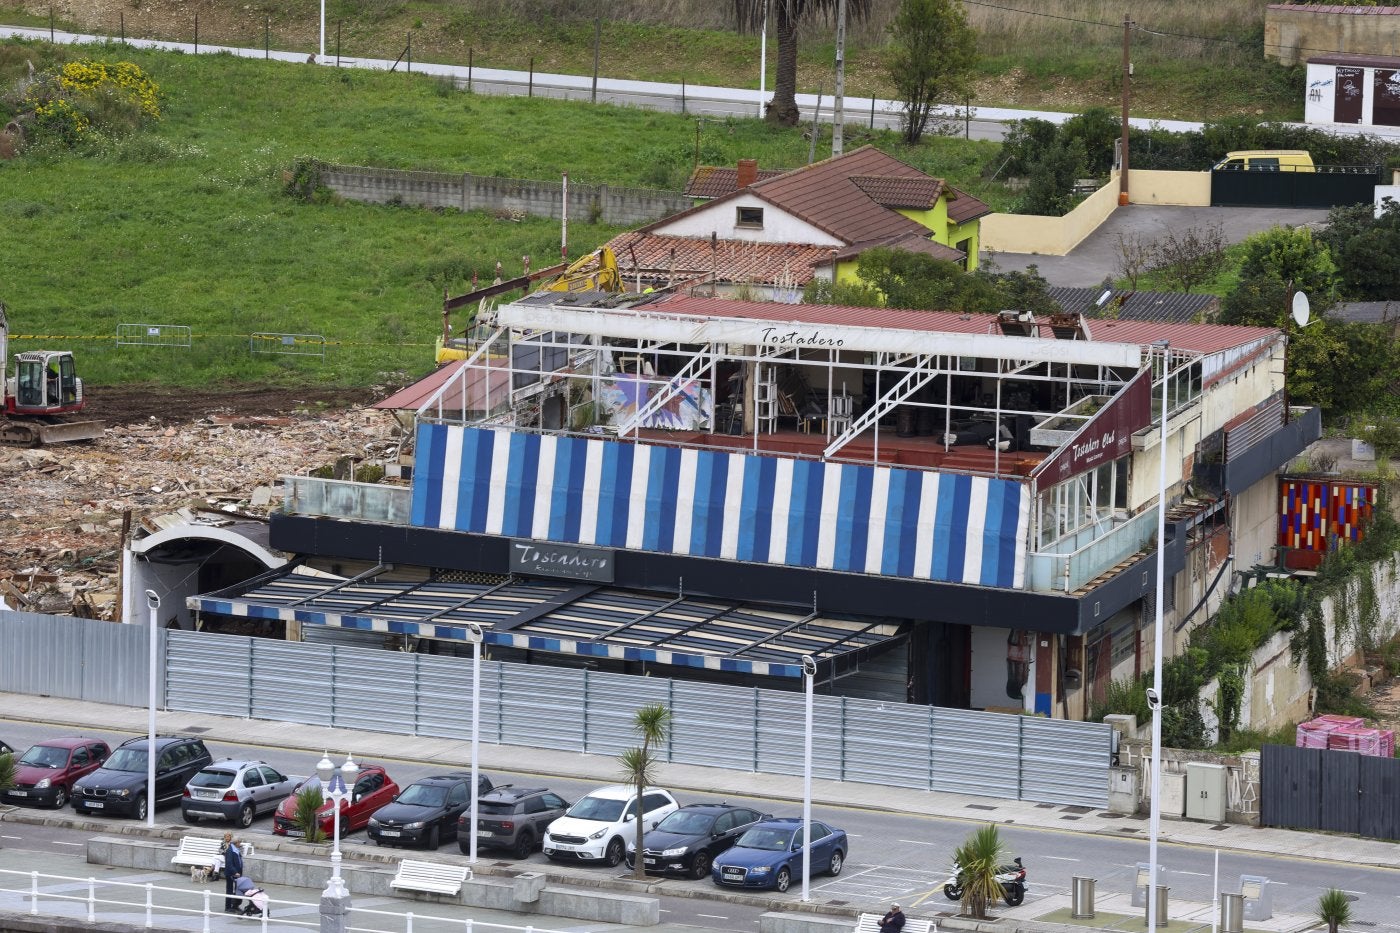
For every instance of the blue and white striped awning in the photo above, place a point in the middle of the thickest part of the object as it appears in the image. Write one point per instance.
(564, 618)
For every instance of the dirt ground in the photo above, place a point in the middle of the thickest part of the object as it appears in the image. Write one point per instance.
(64, 507)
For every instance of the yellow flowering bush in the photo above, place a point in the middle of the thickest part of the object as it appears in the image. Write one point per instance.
(84, 97)
(122, 80)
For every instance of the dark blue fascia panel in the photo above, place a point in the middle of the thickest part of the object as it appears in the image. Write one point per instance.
(1265, 456)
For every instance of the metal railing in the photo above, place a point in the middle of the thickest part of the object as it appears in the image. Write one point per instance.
(1067, 571)
(39, 889)
(154, 335)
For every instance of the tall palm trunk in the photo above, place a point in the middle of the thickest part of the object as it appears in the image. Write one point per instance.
(783, 107)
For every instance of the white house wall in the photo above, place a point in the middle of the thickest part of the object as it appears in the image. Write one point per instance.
(1320, 99)
(721, 219)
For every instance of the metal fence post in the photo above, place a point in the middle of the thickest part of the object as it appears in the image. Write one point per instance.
(206, 912)
(150, 904)
(33, 893)
(408, 920)
(92, 900)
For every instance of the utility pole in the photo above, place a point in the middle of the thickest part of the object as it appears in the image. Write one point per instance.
(838, 109)
(1127, 92)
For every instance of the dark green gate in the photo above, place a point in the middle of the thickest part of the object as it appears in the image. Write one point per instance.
(1329, 186)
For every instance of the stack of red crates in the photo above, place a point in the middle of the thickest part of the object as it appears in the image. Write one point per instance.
(1346, 733)
(1315, 732)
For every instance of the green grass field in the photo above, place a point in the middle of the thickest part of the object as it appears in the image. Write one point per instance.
(186, 223)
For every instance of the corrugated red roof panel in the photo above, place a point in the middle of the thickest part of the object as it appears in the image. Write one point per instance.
(412, 397)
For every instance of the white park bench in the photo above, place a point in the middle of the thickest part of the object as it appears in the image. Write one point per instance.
(432, 877)
(870, 923)
(205, 852)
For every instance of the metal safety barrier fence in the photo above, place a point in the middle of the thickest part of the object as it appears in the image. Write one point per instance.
(66, 895)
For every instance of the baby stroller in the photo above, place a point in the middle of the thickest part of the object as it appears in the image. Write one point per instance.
(256, 904)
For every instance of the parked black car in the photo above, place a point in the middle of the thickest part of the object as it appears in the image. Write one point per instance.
(687, 841)
(119, 786)
(426, 811)
(511, 818)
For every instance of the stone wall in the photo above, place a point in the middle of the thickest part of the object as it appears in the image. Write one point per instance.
(468, 192)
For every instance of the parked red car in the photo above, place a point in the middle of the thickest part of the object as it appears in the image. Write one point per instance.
(373, 789)
(44, 775)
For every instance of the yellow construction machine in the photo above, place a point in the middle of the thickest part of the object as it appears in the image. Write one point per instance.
(596, 272)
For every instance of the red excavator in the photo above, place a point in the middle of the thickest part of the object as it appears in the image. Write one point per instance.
(35, 400)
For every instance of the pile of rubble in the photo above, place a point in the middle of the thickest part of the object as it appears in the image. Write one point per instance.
(70, 508)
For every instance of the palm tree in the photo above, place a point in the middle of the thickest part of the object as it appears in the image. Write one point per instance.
(979, 858)
(1333, 909)
(652, 724)
(788, 14)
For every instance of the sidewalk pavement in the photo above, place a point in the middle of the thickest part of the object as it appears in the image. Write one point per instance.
(66, 713)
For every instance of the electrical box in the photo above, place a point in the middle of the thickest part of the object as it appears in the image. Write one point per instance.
(1258, 902)
(1173, 793)
(1140, 881)
(1205, 792)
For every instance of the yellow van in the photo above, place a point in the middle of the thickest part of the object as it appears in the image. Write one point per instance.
(1267, 160)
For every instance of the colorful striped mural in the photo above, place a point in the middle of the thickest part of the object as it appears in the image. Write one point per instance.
(1314, 514)
(734, 506)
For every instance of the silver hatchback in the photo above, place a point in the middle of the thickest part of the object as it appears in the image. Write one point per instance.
(236, 791)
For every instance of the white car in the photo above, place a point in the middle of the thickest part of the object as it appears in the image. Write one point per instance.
(597, 827)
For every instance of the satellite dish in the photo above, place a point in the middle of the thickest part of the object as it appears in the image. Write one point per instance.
(1302, 311)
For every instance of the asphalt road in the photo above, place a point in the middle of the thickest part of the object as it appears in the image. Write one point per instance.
(893, 857)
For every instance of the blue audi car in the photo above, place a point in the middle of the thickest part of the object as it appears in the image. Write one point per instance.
(769, 855)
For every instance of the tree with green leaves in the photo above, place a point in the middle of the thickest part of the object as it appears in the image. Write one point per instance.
(7, 771)
(917, 280)
(1333, 909)
(931, 54)
(979, 861)
(651, 724)
(1050, 192)
(787, 14)
(1293, 256)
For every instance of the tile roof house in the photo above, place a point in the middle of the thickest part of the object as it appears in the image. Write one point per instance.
(770, 233)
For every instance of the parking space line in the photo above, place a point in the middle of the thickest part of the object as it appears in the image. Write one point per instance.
(75, 844)
(11, 837)
(1198, 874)
(1060, 858)
(918, 842)
(711, 916)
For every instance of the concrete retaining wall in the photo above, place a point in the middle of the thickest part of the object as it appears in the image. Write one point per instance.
(1049, 236)
(372, 879)
(1182, 189)
(468, 192)
(11, 922)
(1292, 33)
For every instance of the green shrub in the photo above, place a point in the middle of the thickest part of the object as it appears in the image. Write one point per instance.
(309, 802)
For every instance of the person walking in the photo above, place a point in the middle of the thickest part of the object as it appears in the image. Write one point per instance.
(233, 868)
(893, 921)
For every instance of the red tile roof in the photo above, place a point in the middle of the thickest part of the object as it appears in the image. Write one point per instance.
(1197, 338)
(824, 195)
(716, 181)
(894, 192)
(963, 207)
(911, 243)
(734, 261)
(412, 397)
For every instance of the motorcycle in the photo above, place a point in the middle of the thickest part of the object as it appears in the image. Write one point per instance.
(1012, 879)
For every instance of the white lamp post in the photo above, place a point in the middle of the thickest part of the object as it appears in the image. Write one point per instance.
(1155, 700)
(475, 637)
(153, 620)
(335, 786)
(322, 57)
(809, 674)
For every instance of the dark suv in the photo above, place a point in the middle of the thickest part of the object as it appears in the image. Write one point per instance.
(687, 841)
(119, 786)
(426, 811)
(512, 818)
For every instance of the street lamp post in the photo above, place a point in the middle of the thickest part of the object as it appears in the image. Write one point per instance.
(1156, 802)
(322, 56)
(475, 637)
(152, 620)
(809, 674)
(335, 786)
